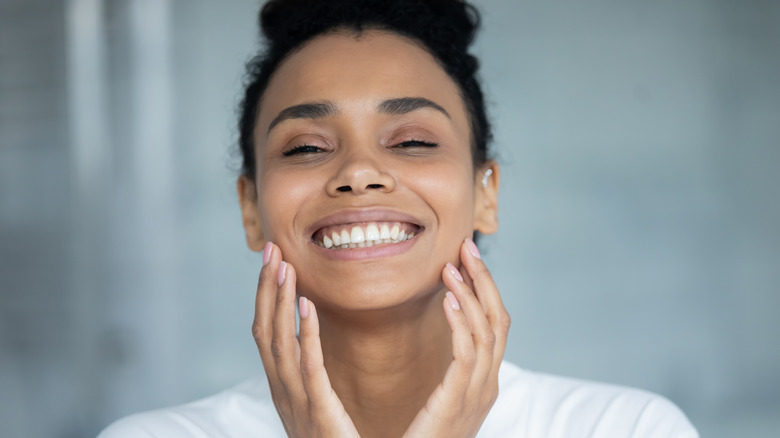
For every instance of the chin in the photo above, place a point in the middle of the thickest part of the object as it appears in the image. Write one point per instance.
(369, 293)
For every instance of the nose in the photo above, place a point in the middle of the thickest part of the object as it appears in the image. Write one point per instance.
(360, 174)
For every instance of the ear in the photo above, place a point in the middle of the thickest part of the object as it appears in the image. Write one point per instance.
(486, 198)
(250, 216)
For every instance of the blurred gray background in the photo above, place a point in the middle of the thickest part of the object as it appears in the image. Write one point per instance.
(640, 245)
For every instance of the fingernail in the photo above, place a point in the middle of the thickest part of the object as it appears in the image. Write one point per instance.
(453, 301)
(267, 252)
(303, 307)
(282, 272)
(472, 248)
(454, 271)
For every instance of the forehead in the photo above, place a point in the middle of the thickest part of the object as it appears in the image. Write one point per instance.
(357, 72)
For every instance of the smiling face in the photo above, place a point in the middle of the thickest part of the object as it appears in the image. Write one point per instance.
(364, 172)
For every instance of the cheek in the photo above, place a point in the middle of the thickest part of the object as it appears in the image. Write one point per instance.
(449, 191)
(281, 196)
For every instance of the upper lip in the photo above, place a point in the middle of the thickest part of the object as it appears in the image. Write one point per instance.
(350, 216)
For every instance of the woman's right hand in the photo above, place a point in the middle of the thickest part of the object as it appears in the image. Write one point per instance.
(300, 387)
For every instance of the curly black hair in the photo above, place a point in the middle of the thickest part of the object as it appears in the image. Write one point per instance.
(445, 28)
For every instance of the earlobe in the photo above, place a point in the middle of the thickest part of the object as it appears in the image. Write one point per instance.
(486, 198)
(250, 217)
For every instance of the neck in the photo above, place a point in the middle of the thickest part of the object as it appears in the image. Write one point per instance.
(385, 366)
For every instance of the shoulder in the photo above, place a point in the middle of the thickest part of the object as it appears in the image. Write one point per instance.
(242, 411)
(537, 404)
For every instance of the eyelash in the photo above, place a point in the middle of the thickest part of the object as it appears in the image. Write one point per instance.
(416, 143)
(302, 149)
(309, 149)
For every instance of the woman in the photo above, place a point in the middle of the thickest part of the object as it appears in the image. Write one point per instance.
(366, 175)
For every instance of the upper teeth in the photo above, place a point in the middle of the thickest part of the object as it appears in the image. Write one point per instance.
(358, 237)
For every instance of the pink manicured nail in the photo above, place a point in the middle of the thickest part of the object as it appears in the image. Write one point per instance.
(453, 301)
(267, 253)
(303, 307)
(472, 248)
(282, 272)
(454, 271)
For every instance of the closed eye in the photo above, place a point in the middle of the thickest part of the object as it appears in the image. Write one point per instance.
(302, 149)
(416, 143)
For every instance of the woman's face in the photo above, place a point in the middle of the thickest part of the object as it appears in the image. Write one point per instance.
(365, 138)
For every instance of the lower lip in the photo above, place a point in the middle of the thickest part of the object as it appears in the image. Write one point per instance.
(370, 252)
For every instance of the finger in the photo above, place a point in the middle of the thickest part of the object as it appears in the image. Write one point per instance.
(457, 377)
(484, 287)
(487, 293)
(471, 307)
(323, 401)
(315, 378)
(285, 348)
(265, 305)
(466, 277)
(262, 325)
(483, 337)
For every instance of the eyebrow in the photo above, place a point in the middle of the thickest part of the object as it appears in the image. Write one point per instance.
(318, 110)
(405, 105)
(315, 110)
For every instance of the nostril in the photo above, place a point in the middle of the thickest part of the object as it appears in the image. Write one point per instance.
(374, 186)
(344, 189)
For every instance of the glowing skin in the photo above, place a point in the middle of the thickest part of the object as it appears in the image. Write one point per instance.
(355, 135)
(359, 147)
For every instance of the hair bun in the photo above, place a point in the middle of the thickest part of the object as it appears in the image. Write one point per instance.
(452, 21)
(463, 20)
(446, 28)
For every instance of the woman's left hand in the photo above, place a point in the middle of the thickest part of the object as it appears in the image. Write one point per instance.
(480, 324)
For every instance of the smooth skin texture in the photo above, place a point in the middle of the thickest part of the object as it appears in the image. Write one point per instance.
(383, 349)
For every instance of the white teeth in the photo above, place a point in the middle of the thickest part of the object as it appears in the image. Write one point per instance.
(372, 232)
(357, 235)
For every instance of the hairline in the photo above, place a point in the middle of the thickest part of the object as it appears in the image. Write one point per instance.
(358, 33)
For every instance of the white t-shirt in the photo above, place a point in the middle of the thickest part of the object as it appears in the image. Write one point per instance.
(529, 405)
